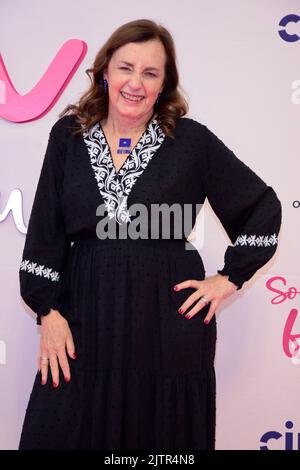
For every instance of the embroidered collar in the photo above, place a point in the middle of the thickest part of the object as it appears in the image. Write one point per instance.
(115, 187)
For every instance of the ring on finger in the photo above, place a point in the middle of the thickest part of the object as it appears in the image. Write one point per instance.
(44, 358)
(204, 299)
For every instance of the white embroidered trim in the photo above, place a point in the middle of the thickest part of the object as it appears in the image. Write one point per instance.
(115, 186)
(39, 270)
(253, 240)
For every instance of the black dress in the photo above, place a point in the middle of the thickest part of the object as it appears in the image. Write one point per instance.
(144, 377)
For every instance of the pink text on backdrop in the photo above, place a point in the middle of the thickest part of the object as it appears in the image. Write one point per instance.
(43, 96)
(290, 341)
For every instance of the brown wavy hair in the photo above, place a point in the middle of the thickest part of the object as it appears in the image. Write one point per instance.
(92, 107)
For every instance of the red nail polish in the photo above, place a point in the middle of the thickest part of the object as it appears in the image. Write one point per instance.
(74, 356)
(180, 310)
(43, 382)
(175, 288)
(55, 384)
(67, 379)
(206, 322)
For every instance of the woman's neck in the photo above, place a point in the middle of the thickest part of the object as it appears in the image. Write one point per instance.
(125, 127)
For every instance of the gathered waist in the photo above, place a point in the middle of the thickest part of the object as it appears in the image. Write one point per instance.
(89, 237)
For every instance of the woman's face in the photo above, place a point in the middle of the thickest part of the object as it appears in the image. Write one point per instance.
(137, 70)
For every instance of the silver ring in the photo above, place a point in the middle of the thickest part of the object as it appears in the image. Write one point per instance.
(204, 299)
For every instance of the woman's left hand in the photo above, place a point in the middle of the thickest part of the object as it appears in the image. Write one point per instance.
(214, 289)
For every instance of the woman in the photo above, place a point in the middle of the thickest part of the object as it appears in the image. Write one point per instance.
(128, 326)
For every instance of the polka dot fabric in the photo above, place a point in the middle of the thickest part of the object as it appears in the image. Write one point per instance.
(144, 376)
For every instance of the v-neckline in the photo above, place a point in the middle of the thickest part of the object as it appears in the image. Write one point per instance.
(129, 156)
(152, 120)
(115, 186)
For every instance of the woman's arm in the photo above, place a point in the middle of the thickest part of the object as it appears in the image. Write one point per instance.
(247, 207)
(46, 245)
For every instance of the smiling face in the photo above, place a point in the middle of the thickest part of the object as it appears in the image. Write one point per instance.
(135, 76)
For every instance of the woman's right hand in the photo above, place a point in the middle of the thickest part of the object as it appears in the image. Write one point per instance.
(56, 338)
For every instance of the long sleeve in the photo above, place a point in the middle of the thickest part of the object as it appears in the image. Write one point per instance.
(247, 207)
(46, 245)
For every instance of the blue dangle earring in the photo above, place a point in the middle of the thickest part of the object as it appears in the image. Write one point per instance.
(105, 86)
